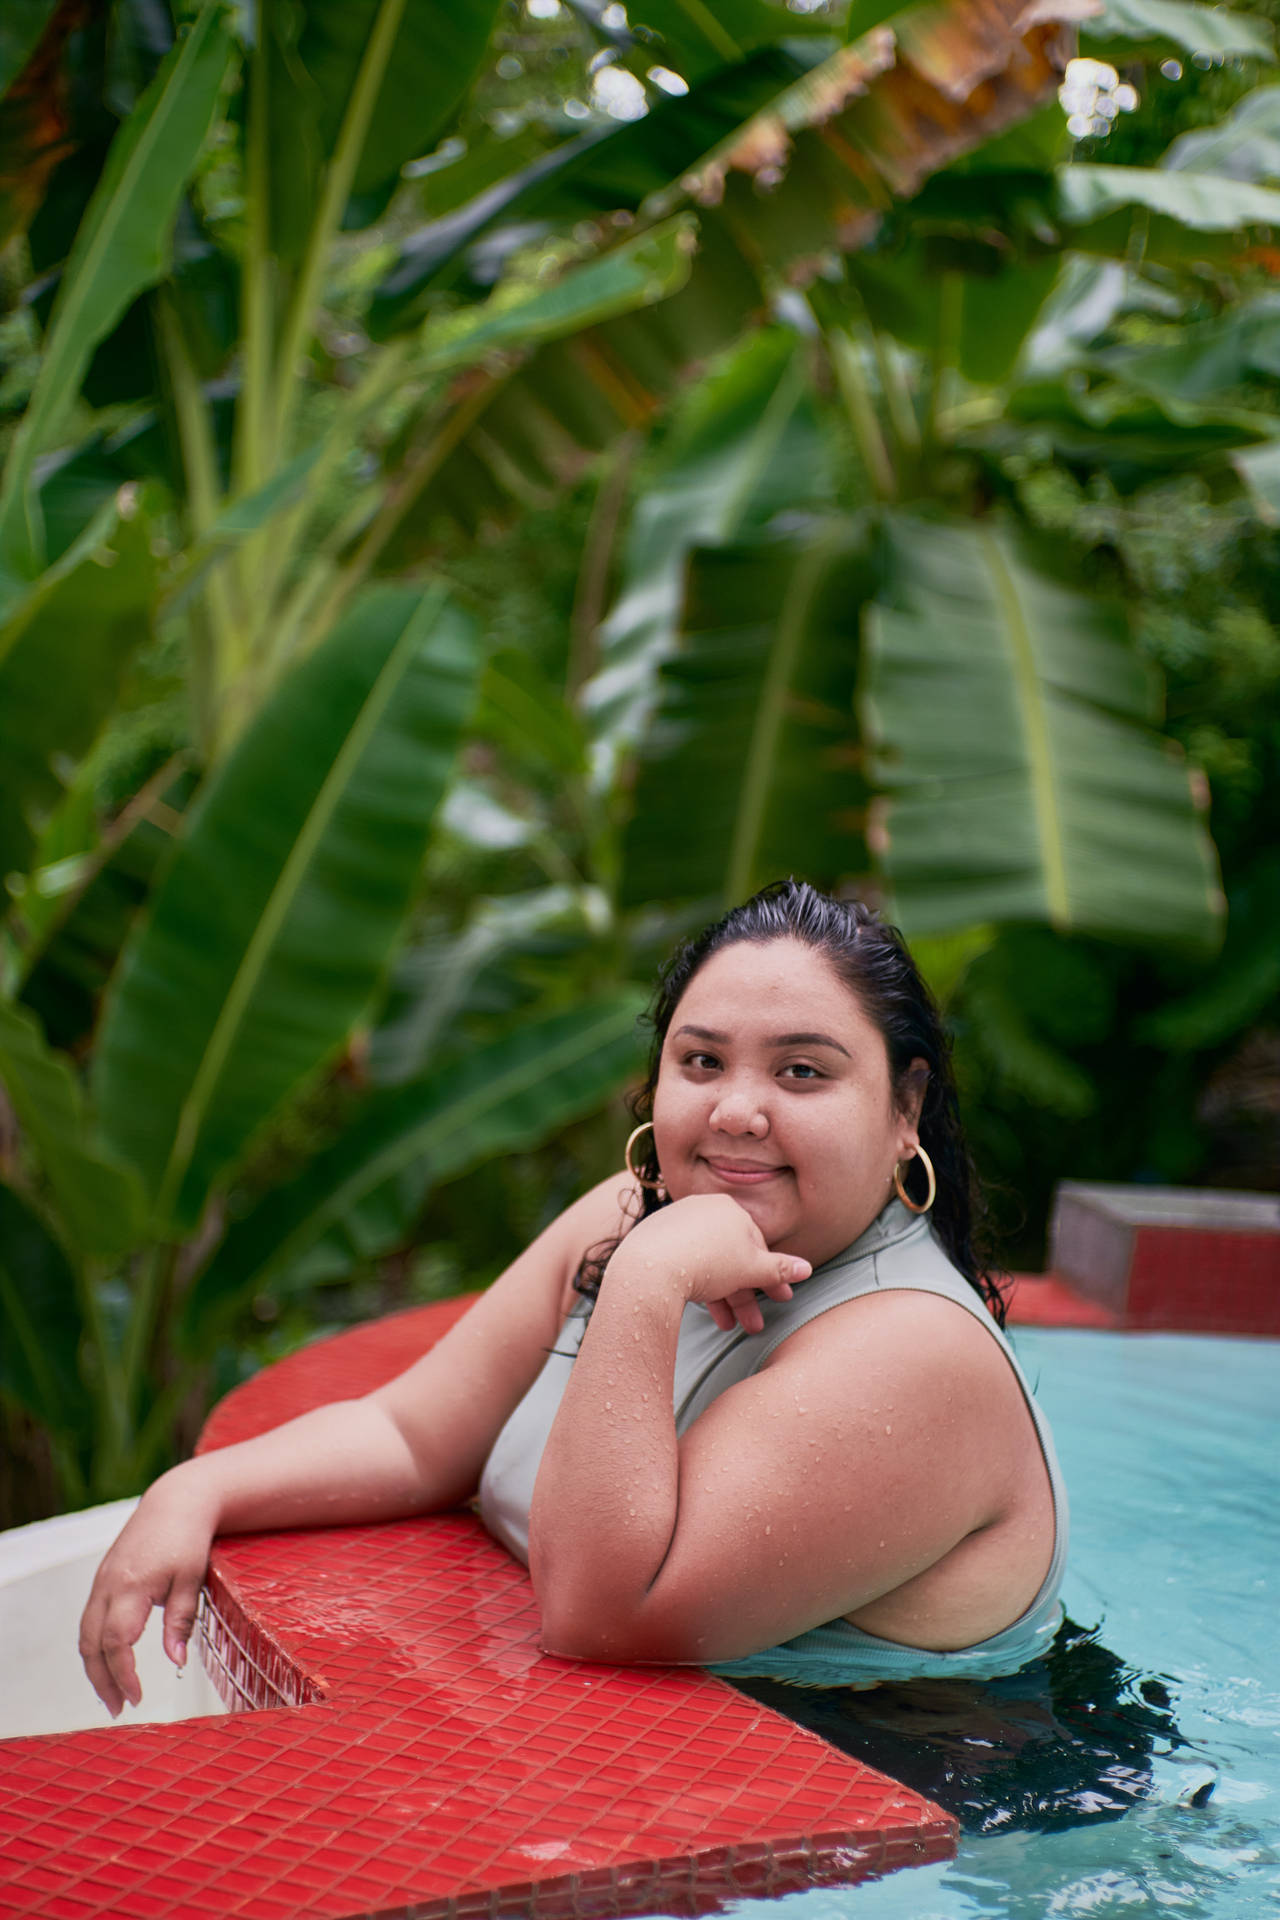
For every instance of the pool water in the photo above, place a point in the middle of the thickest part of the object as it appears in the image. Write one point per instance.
(1170, 1445)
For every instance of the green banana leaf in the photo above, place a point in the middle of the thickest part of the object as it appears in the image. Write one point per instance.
(503, 1097)
(753, 732)
(1205, 202)
(1259, 469)
(693, 37)
(810, 167)
(1209, 358)
(1245, 978)
(1011, 725)
(271, 927)
(40, 1323)
(1244, 146)
(1215, 31)
(21, 27)
(526, 716)
(743, 448)
(72, 944)
(595, 174)
(100, 1201)
(121, 247)
(313, 58)
(64, 651)
(636, 274)
(435, 980)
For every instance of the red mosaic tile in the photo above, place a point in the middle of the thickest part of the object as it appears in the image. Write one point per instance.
(1044, 1300)
(415, 1754)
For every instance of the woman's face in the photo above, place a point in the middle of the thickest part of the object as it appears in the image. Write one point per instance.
(774, 1087)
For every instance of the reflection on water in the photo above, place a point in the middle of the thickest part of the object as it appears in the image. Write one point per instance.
(1069, 1740)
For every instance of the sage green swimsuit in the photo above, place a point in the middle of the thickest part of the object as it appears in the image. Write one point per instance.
(898, 1250)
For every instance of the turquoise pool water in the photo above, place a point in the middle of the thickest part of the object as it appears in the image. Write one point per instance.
(1171, 1449)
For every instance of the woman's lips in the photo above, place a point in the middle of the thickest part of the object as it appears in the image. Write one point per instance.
(742, 1173)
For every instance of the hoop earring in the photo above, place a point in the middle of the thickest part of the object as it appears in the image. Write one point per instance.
(654, 1186)
(913, 1205)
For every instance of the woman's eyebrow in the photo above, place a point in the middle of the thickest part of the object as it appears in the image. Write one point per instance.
(779, 1039)
(809, 1040)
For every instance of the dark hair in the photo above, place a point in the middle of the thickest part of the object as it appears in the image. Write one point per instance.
(871, 958)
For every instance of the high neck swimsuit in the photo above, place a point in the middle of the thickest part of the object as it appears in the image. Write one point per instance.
(898, 1250)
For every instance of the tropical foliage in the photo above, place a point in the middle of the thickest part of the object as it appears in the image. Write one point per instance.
(330, 882)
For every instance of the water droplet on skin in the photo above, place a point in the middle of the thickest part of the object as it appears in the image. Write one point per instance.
(888, 1429)
(608, 1406)
(768, 1529)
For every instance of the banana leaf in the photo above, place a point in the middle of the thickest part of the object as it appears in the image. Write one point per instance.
(636, 274)
(1207, 359)
(64, 651)
(1245, 978)
(100, 1202)
(752, 738)
(1011, 726)
(270, 929)
(1160, 24)
(121, 247)
(1205, 202)
(312, 60)
(1259, 470)
(504, 1097)
(40, 1323)
(812, 167)
(435, 980)
(744, 447)
(1244, 146)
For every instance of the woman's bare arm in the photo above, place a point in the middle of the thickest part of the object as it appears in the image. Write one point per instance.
(877, 1442)
(416, 1445)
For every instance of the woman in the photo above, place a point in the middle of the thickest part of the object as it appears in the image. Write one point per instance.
(855, 1484)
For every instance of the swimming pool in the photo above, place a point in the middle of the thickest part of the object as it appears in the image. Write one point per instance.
(1170, 1445)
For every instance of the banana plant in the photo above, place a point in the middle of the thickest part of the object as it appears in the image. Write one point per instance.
(330, 696)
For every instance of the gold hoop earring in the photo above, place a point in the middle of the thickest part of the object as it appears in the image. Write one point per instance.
(901, 1190)
(654, 1186)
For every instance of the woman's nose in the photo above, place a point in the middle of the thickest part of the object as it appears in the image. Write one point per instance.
(740, 1111)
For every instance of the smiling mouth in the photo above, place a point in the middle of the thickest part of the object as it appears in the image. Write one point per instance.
(742, 1173)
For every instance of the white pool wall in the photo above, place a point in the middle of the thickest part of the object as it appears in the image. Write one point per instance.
(46, 1571)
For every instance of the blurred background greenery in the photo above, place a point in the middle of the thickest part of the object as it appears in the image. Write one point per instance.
(487, 484)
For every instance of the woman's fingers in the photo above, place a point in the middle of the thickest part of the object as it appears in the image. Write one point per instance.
(180, 1616)
(106, 1647)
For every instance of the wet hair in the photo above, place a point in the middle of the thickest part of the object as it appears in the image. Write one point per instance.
(872, 960)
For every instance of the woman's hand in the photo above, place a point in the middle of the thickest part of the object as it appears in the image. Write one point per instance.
(159, 1560)
(713, 1252)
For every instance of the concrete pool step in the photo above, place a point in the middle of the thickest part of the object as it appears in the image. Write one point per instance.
(407, 1750)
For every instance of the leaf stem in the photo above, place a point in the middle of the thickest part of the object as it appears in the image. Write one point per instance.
(403, 494)
(846, 361)
(300, 320)
(760, 766)
(214, 637)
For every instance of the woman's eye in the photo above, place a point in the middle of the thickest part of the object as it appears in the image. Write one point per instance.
(704, 1060)
(801, 1070)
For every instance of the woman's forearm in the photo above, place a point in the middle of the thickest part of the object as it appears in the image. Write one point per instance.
(607, 1495)
(338, 1464)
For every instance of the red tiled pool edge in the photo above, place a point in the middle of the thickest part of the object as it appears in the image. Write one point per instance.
(436, 1764)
